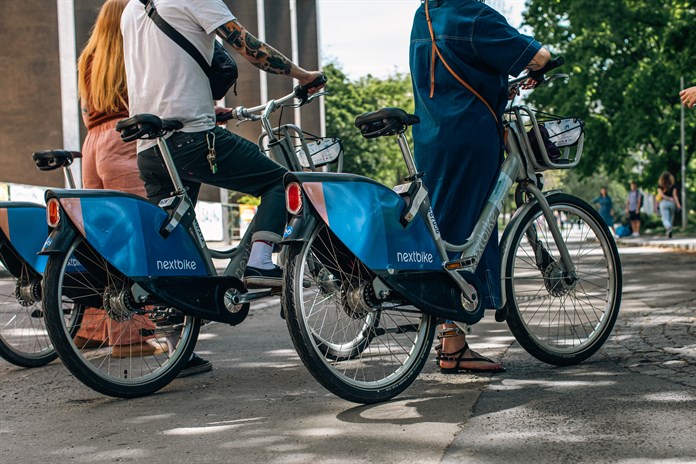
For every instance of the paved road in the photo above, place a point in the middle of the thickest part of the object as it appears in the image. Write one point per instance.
(635, 401)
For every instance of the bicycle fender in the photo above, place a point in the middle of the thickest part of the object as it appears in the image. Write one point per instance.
(366, 217)
(59, 239)
(23, 228)
(299, 228)
(124, 229)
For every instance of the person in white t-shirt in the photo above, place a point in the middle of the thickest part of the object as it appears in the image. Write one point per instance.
(164, 80)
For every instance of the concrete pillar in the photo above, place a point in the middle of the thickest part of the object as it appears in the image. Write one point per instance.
(30, 111)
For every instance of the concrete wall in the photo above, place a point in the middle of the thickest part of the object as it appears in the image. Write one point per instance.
(30, 84)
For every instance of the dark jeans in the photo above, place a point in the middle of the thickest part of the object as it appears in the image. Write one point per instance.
(242, 167)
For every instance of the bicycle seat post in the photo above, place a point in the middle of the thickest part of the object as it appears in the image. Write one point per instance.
(408, 156)
(169, 163)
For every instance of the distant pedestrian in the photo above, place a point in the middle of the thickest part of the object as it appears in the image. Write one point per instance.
(668, 201)
(634, 203)
(606, 207)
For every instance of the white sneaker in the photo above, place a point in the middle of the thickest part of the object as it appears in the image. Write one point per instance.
(635, 234)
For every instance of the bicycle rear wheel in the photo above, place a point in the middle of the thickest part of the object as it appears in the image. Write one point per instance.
(24, 340)
(559, 317)
(359, 349)
(147, 351)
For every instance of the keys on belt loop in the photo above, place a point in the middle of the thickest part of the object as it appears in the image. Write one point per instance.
(210, 139)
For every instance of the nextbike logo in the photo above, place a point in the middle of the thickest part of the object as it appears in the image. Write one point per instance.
(176, 265)
(414, 257)
(431, 217)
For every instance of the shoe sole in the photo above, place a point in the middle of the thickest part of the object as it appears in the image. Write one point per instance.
(196, 370)
(262, 282)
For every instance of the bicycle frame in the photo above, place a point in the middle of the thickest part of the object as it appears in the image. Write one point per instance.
(404, 216)
(161, 249)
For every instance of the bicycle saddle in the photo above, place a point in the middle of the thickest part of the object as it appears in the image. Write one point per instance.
(49, 160)
(146, 126)
(387, 121)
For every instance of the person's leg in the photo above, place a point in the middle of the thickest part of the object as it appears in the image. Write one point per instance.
(242, 167)
(454, 354)
(666, 215)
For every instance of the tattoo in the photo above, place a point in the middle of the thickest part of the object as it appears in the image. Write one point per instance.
(231, 33)
(258, 53)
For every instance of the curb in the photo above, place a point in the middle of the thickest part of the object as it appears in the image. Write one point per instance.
(688, 244)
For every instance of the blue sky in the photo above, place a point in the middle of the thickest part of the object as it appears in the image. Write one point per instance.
(371, 36)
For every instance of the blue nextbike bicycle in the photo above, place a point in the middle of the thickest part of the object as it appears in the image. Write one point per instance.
(368, 274)
(150, 264)
(23, 337)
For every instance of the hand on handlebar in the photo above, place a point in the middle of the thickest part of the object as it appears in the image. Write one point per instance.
(313, 81)
(310, 84)
(222, 115)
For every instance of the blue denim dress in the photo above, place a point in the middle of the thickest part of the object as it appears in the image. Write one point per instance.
(458, 144)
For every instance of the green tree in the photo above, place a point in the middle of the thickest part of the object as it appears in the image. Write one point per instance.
(379, 158)
(625, 58)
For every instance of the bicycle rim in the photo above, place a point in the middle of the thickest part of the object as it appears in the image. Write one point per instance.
(558, 318)
(24, 340)
(361, 350)
(123, 349)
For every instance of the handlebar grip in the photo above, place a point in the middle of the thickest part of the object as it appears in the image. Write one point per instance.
(302, 91)
(552, 64)
(222, 117)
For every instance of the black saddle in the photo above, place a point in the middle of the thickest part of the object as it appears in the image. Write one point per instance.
(387, 121)
(49, 160)
(146, 126)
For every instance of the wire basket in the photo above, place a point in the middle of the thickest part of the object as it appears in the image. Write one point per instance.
(556, 142)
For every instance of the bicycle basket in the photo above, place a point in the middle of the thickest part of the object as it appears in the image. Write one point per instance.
(555, 142)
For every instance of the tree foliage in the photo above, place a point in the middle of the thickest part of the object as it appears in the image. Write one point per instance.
(624, 58)
(379, 158)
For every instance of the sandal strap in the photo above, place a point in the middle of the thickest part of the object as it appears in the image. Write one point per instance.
(455, 356)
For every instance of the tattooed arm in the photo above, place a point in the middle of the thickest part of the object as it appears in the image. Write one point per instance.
(262, 55)
(540, 59)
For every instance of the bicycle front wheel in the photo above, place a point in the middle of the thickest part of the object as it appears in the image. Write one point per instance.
(562, 317)
(360, 349)
(123, 349)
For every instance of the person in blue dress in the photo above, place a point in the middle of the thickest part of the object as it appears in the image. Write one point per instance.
(606, 207)
(462, 53)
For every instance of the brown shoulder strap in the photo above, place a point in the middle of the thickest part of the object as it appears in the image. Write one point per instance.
(436, 52)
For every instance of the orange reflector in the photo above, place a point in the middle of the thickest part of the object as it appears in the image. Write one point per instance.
(293, 198)
(53, 212)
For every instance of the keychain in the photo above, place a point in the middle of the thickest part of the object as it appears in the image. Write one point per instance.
(210, 139)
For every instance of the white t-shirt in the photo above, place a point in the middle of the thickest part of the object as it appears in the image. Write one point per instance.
(163, 79)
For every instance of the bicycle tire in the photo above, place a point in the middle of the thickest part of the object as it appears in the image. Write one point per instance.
(360, 353)
(571, 320)
(24, 340)
(126, 374)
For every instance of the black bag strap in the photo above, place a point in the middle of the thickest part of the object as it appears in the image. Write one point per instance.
(176, 36)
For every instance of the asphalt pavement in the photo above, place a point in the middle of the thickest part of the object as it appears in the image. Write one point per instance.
(632, 402)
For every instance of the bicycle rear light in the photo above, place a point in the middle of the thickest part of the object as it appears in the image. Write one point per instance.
(293, 198)
(53, 212)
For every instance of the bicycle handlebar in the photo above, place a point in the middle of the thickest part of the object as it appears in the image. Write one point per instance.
(255, 113)
(538, 76)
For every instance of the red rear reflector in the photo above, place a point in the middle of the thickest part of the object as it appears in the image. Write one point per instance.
(53, 212)
(293, 198)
